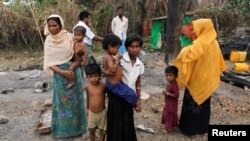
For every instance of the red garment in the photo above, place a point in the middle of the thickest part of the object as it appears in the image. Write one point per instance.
(169, 113)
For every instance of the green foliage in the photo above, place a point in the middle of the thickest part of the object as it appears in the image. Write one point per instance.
(241, 7)
(238, 7)
(102, 19)
(46, 2)
(147, 46)
(230, 14)
(17, 28)
(67, 10)
(18, 23)
(91, 3)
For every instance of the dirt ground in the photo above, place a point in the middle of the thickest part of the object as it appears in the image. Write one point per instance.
(230, 104)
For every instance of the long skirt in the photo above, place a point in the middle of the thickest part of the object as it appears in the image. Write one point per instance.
(68, 109)
(194, 119)
(120, 123)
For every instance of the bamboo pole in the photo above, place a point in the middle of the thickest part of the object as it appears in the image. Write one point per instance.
(37, 26)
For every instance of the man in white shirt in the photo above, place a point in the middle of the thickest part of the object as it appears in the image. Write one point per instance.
(89, 36)
(119, 24)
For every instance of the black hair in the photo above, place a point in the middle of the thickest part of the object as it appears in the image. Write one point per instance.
(92, 69)
(80, 29)
(172, 69)
(119, 7)
(133, 37)
(56, 19)
(83, 15)
(111, 39)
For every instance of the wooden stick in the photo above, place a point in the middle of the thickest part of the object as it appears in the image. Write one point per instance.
(33, 14)
(25, 41)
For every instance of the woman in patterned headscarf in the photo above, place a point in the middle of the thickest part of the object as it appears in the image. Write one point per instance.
(199, 65)
(68, 110)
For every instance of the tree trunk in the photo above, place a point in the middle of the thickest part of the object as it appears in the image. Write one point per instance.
(143, 13)
(176, 11)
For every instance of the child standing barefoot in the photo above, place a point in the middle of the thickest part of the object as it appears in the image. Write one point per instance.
(95, 102)
(169, 113)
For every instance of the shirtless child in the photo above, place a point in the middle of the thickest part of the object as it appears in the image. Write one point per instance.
(95, 102)
(80, 52)
(113, 71)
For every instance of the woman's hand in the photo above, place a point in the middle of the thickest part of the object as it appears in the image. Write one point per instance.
(68, 74)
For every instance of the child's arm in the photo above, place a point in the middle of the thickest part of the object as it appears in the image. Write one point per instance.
(138, 87)
(170, 94)
(117, 58)
(138, 92)
(104, 89)
(175, 93)
(115, 65)
(87, 100)
(110, 67)
(85, 56)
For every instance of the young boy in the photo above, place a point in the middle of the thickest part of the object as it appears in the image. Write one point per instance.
(95, 101)
(169, 113)
(80, 53)
(113, 71)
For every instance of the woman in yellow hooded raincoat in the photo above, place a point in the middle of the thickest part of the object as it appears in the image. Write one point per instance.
(200, 65)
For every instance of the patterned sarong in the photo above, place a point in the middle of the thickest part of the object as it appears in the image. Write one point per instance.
(68, 111)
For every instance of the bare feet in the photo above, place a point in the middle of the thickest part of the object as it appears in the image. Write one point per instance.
(85, 136)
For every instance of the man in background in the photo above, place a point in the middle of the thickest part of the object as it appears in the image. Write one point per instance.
(119, 24)
(89, 36)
